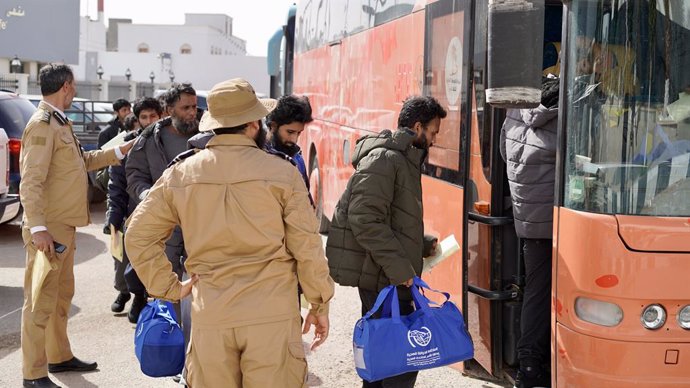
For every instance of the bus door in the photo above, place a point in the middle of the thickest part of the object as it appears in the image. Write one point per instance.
(495, 270)
(461, 201)
(491, 248)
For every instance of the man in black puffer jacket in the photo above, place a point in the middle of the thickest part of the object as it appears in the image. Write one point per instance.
(528, 145)
(376, 236)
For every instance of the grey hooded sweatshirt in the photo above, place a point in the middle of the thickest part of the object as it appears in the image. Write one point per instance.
(528, 146)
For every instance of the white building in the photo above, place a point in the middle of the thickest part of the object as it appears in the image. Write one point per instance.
(202, 51)
(201, 33)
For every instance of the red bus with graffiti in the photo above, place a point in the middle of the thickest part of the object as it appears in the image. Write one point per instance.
(620, 313)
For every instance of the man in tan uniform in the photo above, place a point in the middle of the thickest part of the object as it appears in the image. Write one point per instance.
(250, 233)
(53, 191)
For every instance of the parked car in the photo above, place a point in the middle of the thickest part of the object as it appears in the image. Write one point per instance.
(15, 112)
(9, 203)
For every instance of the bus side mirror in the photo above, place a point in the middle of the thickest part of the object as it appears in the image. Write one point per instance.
(516, 45)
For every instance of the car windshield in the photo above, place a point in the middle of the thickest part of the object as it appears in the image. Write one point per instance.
(14, 114)
(628, 117)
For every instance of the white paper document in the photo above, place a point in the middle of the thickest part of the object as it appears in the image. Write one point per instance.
(116, 141)
(444, 250)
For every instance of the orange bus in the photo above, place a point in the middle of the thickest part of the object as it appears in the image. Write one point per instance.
(620, 313)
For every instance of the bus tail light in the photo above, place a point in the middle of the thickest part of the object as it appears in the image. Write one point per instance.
(684, 317)
(598, 312)
(653, 316)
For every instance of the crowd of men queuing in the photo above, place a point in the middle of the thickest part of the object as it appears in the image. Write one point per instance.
(217, 206)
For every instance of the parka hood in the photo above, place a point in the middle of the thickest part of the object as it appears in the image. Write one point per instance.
(538, 116)
(400, 140)
(200, 140)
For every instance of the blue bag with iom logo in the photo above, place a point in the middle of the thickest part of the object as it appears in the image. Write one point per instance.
(159, 341)
(393, 344)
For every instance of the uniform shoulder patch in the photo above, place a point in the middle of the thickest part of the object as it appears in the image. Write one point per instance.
(59, 118)
(45, 116)
(38, 140)
(179, 158)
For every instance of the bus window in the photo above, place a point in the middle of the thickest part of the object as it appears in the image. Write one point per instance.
(478, 78)
(628, 125)
(446, 79)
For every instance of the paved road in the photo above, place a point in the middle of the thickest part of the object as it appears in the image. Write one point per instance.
(98, 334)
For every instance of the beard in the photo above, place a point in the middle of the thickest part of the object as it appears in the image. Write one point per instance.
(286, 148)
(190, 127)
(421, 143)
(260, 138)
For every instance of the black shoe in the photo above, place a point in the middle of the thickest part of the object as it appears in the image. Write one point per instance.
(74, 364)
(43, 382)
(137, 305)
(531, 377)
(119, 305)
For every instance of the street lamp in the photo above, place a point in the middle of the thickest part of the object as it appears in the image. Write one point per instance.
(128, 74)
(152, 77)
(15, 65)
(172, 76)
(100, 72)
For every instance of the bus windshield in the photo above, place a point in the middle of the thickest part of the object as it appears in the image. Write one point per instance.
(628, 107)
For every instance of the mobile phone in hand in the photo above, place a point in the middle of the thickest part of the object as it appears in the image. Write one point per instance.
(59, 248)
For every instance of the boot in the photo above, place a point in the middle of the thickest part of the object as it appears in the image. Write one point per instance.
(137, 305)
(532, 377)
(119, 304)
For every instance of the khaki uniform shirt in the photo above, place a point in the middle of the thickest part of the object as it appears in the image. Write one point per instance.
(53, 166)
(250, 233)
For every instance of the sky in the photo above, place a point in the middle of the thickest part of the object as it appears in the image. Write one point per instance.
(255, 21)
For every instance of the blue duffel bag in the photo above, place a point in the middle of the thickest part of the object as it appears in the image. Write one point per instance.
(393, 344)
(159, 341)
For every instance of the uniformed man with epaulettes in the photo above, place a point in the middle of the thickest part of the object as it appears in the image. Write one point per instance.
(251, 235)
(53, 191)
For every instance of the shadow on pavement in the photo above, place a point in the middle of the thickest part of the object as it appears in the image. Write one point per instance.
(11, 319)
(88, 247)
(74, 379)
(12, 254)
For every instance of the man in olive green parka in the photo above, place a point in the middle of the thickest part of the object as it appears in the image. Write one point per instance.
(376, 237)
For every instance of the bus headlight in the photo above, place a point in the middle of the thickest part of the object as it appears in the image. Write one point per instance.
(598, 312)
(684, 317)
(653, 316)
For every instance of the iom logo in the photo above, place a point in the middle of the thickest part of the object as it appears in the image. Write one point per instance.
(421, 337)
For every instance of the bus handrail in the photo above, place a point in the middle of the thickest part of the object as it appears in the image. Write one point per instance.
(489, 220)
(509, 294)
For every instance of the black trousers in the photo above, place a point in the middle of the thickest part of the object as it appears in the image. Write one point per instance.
(534, 346)
(406, 380)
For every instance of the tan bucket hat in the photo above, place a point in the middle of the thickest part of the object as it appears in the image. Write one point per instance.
(232, 103)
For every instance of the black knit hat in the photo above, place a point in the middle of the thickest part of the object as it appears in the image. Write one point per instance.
(549, 92)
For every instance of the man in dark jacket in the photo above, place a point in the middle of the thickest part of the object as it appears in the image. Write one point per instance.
(286, 124)
(377, 237)
(528, 145)
(156, 148)
(121, 108)
(147, 111)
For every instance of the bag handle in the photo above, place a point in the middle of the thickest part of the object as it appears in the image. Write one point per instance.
(164, 308)
(419, 298)
(389, 291)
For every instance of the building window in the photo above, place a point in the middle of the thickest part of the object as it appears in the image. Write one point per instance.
(185, 49)
(143, 48)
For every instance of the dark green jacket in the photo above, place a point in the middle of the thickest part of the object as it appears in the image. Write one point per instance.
(376, 237)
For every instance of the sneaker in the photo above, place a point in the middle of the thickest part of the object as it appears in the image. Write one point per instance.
(531, 377)
(119, 304)
(137, 305)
